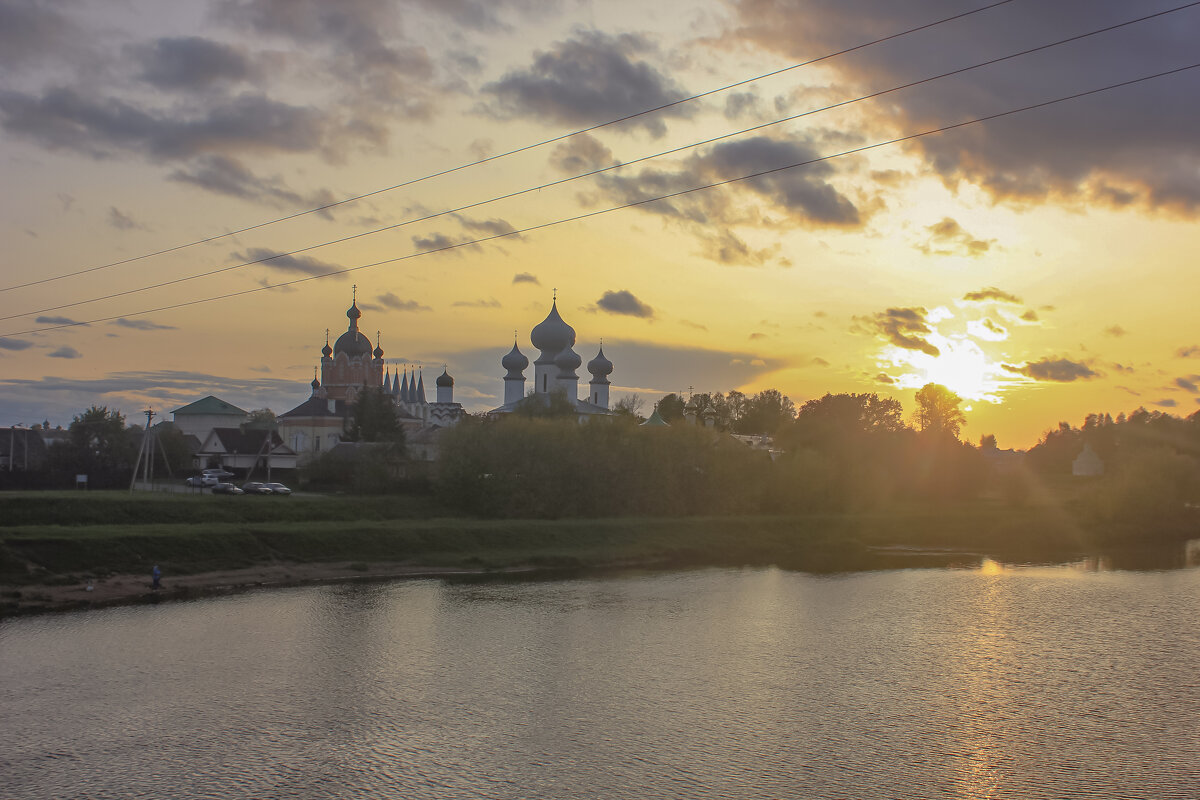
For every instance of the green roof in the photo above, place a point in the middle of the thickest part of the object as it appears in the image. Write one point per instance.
(656, 420)
(210, 405)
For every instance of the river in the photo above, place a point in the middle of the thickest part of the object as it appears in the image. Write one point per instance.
(993, 681)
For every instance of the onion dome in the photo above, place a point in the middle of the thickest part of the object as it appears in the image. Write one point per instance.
(515, 362)
(316, 384)
(552, 335)
(444, 380)
(378, 350)
(600, 367)
(567, 362)
(353, 314)
(326, 351)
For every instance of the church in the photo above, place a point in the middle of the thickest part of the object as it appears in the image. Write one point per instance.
(555, 370)
(349, 367)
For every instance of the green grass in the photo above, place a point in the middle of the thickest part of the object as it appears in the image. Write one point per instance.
(44, 535)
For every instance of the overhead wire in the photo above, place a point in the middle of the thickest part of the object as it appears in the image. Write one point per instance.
(598, 171)
(522, 149)
(623, 206)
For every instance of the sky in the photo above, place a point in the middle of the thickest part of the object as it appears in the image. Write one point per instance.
(1040, 263)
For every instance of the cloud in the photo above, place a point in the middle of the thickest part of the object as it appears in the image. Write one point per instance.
(1168, 402)
(581, 153)
(726, 247)
(190, 63)
(488, 227)
(59, 321)
(756, 335)
(902, 327)
(987, 330)
(525, 277)
(393, 302)
(437, 241)
(591, 78)
(301, 265)
(993, 295)
(31, 32)
(142, 325)
(1192, 351)
(624, 302)
(65, 352)
(1128, 147)
(122, 221)
(1187, 385)
(1115, 331)
(63, 118)
(948, 238)
(884, 378)
(1056, 370)
(1030, 315)
(221, 174)
(14, 344)
(493, 303)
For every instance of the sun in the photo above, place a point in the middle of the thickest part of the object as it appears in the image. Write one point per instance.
(961, 365)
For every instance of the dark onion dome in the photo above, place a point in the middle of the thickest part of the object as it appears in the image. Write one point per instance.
(567, 362)
(378, 351)
(316, 384)
(600, 367)
(352, 342)
(326, 351)
(444, 380)
(515, 362)
(552, 335)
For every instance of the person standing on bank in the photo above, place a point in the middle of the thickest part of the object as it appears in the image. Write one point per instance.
(155, 576)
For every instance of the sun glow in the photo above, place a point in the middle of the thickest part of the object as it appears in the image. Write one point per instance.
(961, 366)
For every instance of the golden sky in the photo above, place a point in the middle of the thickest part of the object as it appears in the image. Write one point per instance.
(1037, 263)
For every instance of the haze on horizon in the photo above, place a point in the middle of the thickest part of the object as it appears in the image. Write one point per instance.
(1036, 264)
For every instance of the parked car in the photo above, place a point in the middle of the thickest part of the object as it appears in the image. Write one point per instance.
(226, 488)
(203, 481)
(217, 473)
(278, 488)
(256, 487)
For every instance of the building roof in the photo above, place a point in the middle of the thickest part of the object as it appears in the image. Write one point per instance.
(655, 421)
(210, 405)
(316, 407)
(245, 442)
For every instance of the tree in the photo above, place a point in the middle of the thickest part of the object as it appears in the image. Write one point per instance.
(629, 406)
(670, 407)
(100, 446)
(864, 413)
(766, 412)
(938, 411)
(988, 442)
(259, 419)
(374, 419)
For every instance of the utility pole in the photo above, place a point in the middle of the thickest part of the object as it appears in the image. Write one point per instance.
(144, 452)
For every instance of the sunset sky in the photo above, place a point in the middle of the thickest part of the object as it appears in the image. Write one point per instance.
(1041, 265)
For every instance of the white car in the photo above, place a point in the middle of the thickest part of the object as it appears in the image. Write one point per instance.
(204, 480)
(217, 473)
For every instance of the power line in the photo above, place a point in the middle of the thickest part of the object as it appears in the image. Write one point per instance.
(498, 156)
(599, 171)
(623, 206)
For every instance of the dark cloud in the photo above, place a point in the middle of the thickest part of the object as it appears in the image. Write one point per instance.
(525, 277)
(1030, 315)
(884, 378)
(1056, 370)
(436, 241)
(741, 104)
(726, 247)
(903, 327)
(1168, 402)
(65, 352)
(1116, 331)
(190, 63)
(229, 176)
(484, 15)
(63, 118)
(392, 301)
(581, 153)
(948, 238)
(32, 31)
(493, 303)
(1187, 385)
(624, 302)
(59, 321)
(591, 78)
(993, 295)
(487, 227)
(1131, 146)
(14, 344)
(122, 221)
(301, 265)
(142, 325)
(1192, 351)
(801, 196)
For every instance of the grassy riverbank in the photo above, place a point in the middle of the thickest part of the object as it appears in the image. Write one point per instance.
(67, 538)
